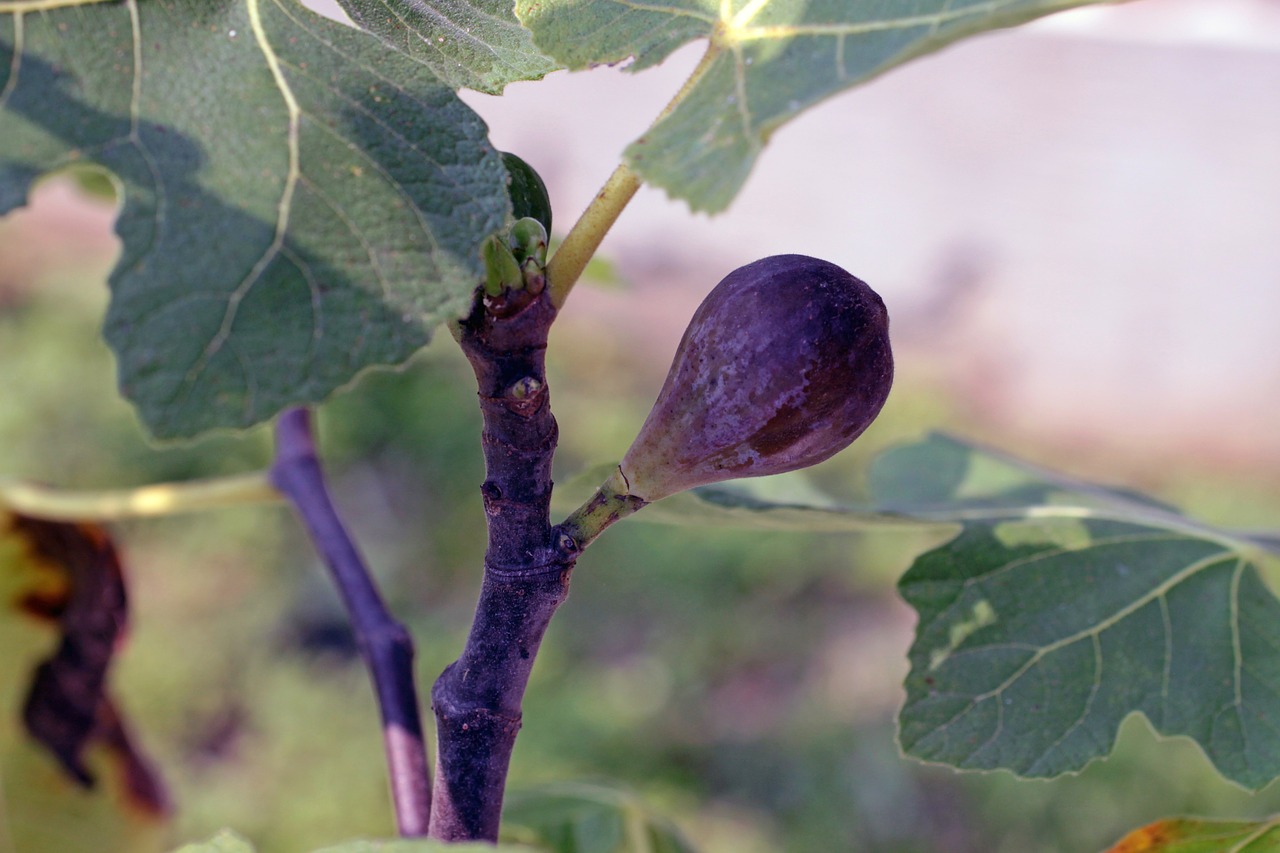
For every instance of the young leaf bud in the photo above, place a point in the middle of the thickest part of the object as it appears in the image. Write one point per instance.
(528, 240)
(501, 271)
(527, 192)
(784, 364)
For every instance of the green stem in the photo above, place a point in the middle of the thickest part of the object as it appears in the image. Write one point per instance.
(612, 502)
(584, 238)
(567, 264)
(52, 504)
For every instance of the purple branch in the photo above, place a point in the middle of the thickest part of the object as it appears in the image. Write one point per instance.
(385, 644)
(477, 699)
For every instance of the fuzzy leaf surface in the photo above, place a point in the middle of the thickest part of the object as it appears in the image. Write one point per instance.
(768, 61)
(299, 203)
(473, 44)
(1063, 607)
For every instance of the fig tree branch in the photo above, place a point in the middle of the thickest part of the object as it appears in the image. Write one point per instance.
(384, 643)
(477, 699)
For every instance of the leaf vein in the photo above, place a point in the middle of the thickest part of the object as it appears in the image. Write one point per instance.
(1092, 631)
(356, 231)
(317, 316)
(1094, 687)
(456, 31)
(389, 129)
(159, 197)
(933, 21)
(283, 206)
(696, 14)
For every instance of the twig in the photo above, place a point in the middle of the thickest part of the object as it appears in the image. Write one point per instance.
(527, 564)
(385, 644)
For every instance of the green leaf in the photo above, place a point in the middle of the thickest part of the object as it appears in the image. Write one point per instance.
(767, 61)
(1059, 609)
(474, 44)
(1064, 607)
(299, 202)
(583, 818)
(1189, 835)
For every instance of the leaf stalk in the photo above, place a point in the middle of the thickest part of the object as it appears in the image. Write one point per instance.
(584, 238)
(582, 241)
(53, 504)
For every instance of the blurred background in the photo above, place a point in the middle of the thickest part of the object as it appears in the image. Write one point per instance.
(1074, 225)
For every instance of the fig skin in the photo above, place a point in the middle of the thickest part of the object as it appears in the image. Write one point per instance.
(784, 364)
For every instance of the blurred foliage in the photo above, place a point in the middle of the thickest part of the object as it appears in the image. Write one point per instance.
(1201, 836)
(231, 842)
(582, 818)
(742, 684)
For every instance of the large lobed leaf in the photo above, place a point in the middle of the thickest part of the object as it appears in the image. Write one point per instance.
(299, 202)
(1060, 608)
(474, 44)
(767, 61)
(1063, 607)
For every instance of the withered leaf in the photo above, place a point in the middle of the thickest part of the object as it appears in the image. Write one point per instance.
(67, 707)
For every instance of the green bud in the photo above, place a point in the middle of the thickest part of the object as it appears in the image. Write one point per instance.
(501, 272)
(527, 192)
(529, 240)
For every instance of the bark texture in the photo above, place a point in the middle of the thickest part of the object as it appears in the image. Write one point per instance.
(477, 699)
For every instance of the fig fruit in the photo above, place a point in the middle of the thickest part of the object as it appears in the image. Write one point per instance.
(784, 364)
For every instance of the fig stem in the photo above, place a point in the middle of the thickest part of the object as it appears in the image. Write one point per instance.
(584, 238)
(52, 504)
(612, 502)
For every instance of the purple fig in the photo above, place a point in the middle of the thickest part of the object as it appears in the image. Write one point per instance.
(784, 364)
